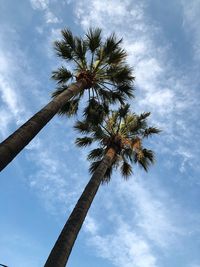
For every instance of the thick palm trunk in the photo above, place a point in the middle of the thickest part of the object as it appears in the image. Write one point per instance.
(11, 146)
(63, 246)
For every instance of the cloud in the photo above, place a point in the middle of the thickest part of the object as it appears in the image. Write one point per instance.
(191, 21)
(124, 248)
(44, 5)
(40, 4)
(12, 102)
(145, 225)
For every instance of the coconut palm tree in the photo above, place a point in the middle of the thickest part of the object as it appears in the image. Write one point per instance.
(120, 143)
(98, 67)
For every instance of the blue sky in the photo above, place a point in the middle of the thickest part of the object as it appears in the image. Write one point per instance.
(153, 219)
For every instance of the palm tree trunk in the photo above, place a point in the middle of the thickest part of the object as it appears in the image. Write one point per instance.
(63, 246)
(11, 146)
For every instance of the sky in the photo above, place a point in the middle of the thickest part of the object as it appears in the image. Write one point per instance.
(151, 220)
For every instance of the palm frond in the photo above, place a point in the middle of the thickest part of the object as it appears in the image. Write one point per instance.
(128, 153)
(68, 38)
(82, 126)
(126, 169)
(84, 141)
(93, 39)
(107, 175)
(144, 115)
(80, 50)
(117, 56)
(99, 134)
(146, 159)
(127, 89)
(120, 74)
(96, 154)
(111, 44)
(93, 166)
(63, 51)
(149, 154)
(94, 112)
(62, 75)
(70, 108)
(151, 130)
(123, 110)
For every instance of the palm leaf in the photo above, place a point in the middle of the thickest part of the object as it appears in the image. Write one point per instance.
(144, 115)
(96, 154)
(82, 126)
(151, 130)
(146, 160)
(126, 88)
(68, 38)
(94, 112)
(63, 51)
(93, 39)
(80, 50)
(126, 169)
(93, 166)
(70, 108)
(111, 44)
(123, 110)
(84, 141)
(107, 175)
(62, 75)
(117, 56)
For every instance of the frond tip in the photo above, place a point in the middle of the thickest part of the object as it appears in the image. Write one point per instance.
(150, 131)
(126, 169)
(96, 154)
(62, 75)
(84, 141)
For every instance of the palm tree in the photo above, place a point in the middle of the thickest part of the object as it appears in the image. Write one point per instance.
(119, 139)
(97, 66)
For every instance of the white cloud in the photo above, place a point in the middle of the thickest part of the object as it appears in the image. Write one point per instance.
(44, 6)
(191, 21)
(124, 248)
(12, 105)
(50, 17)
(40, 4)
(90, 225)
(148, 221)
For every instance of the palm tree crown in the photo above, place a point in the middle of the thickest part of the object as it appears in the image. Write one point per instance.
(101, 63)
(122, 131)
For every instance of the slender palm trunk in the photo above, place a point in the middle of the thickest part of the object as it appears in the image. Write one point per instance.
(63, 246)
(11, 146)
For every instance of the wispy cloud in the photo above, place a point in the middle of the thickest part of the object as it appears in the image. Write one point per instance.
(134, 235)
(44, 5)
(12, 102)
(124, 248)
(191, 21)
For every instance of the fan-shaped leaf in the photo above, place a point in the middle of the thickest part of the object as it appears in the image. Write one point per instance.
(84, 141)
(151, 130)
(63, 50)
(68, 38)
(96, 154)
(62, 75)
(94, 38)
(82, 126)
(126, 169)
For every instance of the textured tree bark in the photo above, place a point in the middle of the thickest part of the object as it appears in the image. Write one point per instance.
(11, 146)
(63, 246)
